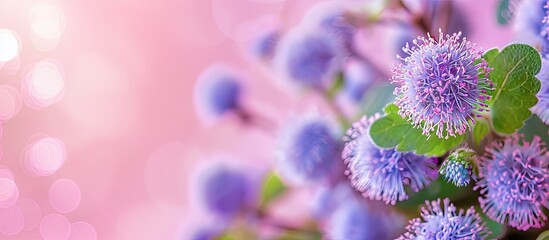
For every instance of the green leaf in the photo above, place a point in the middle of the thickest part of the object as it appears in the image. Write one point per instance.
(272, 188)
(392, 131)
(515, 86)
(543, 236)
(503, 13)
(491, 54)
(337, 86)
(480, 130)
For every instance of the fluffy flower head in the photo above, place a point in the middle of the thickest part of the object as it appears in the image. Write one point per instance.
(542, 107)
(224, 191)
(446, 223)
(218, 91)
(307, 150)
(381, 174)
(354, 220)
(439, 88)
(308, 57)
(515, 182)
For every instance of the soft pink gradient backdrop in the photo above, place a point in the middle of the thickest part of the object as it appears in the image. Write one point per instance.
(127, 117)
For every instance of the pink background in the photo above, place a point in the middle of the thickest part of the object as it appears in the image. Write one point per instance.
(127, 116)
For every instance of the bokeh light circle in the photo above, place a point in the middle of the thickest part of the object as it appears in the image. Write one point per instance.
(9, 193)
(65, 195)
(47, 21)
(44, 156)
(9, 45)
(47, 24)
(82, 231)
(12, 220)
(55, 227)
(6, 173)
(31, 211)
(44, 84)
(10, 102)
(240, 25)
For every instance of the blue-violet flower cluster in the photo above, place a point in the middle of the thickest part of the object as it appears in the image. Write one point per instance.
(308, 151)
(439, 88)
(382, 174)
(444, 222)
(542, 107)
(218, 91)
(225, 192)
(515, 182)
(354, 220)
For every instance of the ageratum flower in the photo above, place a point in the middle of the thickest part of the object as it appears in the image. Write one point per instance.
(264, 46)
(353, 220)
(218, 91)
(225, 192)
(515, 182)
(444, 223)
(308, 57)
(542, 107)
(460, 167)
(531, 27)
(308, 151)
(358, 76)
(333, 19)
(438, 86)
(382, 174)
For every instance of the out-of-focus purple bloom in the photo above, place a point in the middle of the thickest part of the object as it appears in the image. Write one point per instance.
(460, 167)
(542, 107)
(328, 198)
(332, 18)
(308, 58)
(205, 234)
(308, 151)
(353, 220)
(264, 45)
(382, 174)
(218, 91)
(225, 192)
(530, 24)
(515, 182)
(358, 77)
(438, 85)
(445, 223)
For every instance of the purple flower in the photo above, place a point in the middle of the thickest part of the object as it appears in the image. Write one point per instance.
(438, 85)
(333, 19)
(542, 107)
(515, 182)
(460, 167)
(358, 78)
(308, 151)
(444, 223)
(264, 46)
(531, 24)
(205, 234)
(218, 91)
(328, 198)
(354, 220)
(308, 58)
(225, 192)
(382, 174)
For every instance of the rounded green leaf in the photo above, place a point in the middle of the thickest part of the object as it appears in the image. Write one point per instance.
(515, 86)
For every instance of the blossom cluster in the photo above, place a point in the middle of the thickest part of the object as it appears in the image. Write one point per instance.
(367, 165)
